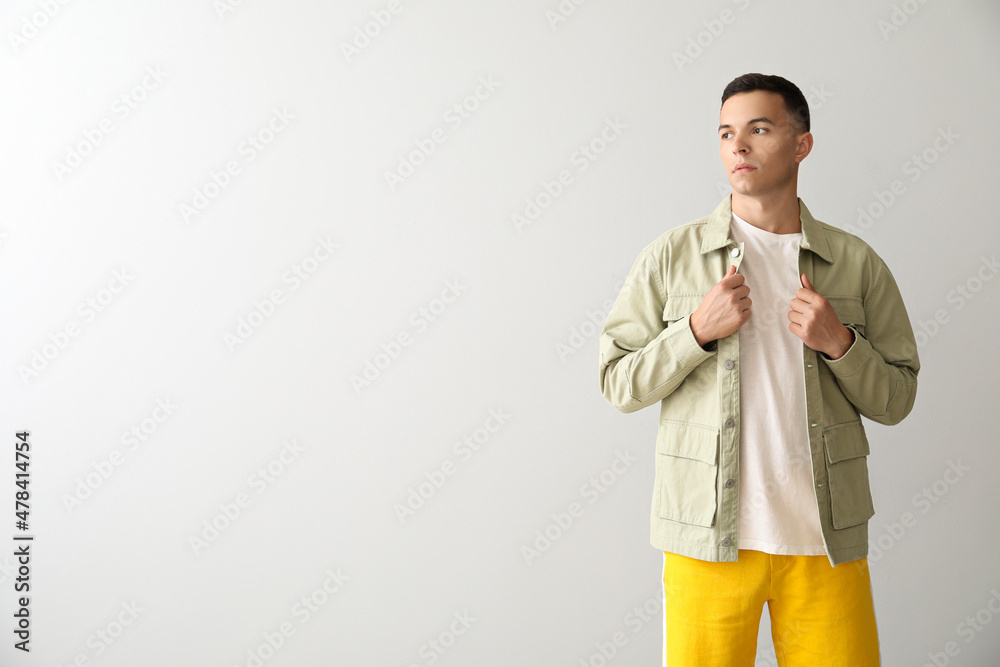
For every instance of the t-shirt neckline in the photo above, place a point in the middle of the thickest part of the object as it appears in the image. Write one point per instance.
(763, 233)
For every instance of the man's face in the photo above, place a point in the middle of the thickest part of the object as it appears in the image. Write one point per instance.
(755, 130)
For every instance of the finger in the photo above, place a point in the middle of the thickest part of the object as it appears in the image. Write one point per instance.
(732, 281)
(806, 283)
(805, 295)
(731, 271)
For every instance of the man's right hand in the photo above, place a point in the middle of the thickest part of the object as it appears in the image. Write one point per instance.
(723, 310)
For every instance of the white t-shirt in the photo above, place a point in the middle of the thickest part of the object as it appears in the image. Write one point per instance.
(778, 511)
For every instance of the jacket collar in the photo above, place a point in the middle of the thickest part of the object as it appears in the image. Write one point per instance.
(717, 230)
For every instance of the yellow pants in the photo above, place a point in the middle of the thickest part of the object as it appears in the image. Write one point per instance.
(821, 616)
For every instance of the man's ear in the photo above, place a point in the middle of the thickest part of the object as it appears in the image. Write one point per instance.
(804, 146)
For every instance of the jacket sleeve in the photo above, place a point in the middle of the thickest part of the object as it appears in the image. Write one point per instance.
(878, 373)
(644, 359)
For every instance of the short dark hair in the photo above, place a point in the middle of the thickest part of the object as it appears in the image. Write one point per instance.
(795, 101)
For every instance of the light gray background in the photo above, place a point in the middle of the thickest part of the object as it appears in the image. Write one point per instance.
(879, 97)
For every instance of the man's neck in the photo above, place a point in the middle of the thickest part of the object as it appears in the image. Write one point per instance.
(777, 214)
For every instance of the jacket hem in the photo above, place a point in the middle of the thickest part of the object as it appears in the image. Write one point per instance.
(729, 554)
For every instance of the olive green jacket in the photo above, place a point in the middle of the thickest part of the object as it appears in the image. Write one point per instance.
(649, 355)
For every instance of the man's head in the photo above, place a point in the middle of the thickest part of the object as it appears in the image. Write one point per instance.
(763, 124)
(795, 103)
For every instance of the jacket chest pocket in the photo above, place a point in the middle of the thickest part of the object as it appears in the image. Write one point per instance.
(850, 310)
(679, 305)
(687, 467)
(847, 468)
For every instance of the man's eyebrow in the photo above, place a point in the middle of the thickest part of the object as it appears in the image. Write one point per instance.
(762, 119)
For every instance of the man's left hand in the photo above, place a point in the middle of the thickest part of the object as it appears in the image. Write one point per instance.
(814, 320)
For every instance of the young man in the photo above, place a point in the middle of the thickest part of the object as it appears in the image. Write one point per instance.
(764, 334)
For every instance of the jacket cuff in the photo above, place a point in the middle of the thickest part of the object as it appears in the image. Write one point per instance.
(857, 354)
(685, 346)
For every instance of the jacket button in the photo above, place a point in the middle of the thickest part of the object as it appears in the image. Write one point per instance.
(735, 252)
(730, 423)
(729, 364)
(730, 483)
(727, 542)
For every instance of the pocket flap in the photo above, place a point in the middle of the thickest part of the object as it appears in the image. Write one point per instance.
(689, 441)
(849, 309)
(681, 305)
(845, 441)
